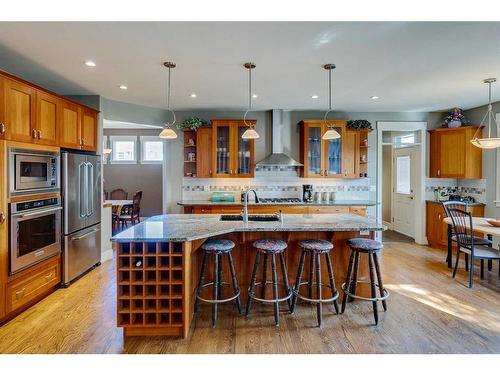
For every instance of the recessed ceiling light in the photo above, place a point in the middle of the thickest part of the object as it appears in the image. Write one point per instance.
(255, 96)
(374, 97)
(123, 87)
(90, 64)
(314, 96)
(193, 95)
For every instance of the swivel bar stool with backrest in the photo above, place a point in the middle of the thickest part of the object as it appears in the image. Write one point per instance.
(315, 248)
(370, 247)
(269, 248)
(217, 248)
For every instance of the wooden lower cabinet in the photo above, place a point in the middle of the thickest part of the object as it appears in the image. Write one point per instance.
(32, 284)
(436, 230)
(269, 209)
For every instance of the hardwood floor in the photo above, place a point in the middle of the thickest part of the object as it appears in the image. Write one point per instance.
(428, 312)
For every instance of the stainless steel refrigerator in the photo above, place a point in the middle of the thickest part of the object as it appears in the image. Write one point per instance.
(81, 189)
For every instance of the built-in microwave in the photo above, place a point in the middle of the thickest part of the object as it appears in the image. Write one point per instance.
(33, 171)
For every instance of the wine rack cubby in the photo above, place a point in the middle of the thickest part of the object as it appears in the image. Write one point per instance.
(150, 284)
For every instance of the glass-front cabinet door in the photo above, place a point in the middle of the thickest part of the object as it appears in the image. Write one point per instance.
(314, 150)
(334, 152)
(222, 152)
(245, 155)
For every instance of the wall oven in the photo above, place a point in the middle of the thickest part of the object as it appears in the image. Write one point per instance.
(33, 171)
(34, 232)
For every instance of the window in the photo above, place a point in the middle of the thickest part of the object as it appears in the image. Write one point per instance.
(124, 149)
(403, 174)
(151, 150)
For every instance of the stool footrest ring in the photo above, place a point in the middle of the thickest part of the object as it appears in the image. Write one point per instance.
(232, 298)
(315, 300)
(286, 298)
(373, 299)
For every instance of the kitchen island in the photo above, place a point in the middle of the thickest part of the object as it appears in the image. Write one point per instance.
(158, 261)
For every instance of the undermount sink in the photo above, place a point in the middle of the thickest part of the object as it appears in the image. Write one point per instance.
(250, 218)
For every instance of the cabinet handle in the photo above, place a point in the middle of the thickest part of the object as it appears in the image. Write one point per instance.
(39, 134)
(48, 276)
(321, 172)
(210, 172)
(439, 216)
(2, 218)
(33, 133)
(20, 293)
(2, 128)
(438, 172)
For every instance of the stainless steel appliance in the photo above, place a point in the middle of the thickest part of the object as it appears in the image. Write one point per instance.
(81, 180)
(33, 171)
(34, 232)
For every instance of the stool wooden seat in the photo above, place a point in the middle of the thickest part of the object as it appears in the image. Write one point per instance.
(371, 248)
(315, 248)
(269, 248)
(217, 248)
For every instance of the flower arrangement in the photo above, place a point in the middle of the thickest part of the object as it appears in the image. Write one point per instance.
(359, 124)
(191, 123)
(455, 118)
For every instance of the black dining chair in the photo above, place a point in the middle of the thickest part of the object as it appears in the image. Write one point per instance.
(464, 233)
(132, 212)
(477, 240)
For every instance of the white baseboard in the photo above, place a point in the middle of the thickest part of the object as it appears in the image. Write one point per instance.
(106, 255)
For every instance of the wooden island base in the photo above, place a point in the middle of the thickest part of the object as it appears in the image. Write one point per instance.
(157, 280)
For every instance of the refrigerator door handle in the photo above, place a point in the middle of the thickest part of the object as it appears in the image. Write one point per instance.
(85, 235)
(81, 192)
(90, 189)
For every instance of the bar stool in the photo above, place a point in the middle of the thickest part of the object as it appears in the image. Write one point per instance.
(371, 248)
(217, 248)
(272, 248)
(315, 248)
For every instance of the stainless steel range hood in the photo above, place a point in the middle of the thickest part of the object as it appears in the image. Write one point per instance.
(277, 158)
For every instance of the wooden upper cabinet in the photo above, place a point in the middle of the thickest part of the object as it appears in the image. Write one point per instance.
(204, 152)
(232, 156)
(70, 128)
(328, 158)
(47, 119)
(452, 155)
(3, 127)
(19, 113)
(89, 130)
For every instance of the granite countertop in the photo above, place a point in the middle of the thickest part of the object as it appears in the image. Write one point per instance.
(179, 227)
(334, 203)
(469, 203)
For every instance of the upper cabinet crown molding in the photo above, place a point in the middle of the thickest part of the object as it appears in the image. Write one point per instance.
(31, 114)
(452, 155)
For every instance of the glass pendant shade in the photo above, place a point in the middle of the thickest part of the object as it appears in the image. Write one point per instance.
(331, 134)
(486, 143)
(250, 133)
(107, 151)
(168, 133)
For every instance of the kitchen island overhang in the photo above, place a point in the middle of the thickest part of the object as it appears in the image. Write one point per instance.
(158, 261)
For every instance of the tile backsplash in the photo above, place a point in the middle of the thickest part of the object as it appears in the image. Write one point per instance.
(473, 188)
(271, 182)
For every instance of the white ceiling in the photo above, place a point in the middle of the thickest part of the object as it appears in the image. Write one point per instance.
(410, 66)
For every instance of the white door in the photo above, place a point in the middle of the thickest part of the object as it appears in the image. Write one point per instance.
(403, 202)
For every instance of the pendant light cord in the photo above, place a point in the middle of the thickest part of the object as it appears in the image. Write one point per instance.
(489, 114)
(168, 89)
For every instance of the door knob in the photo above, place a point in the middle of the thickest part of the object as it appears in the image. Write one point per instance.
(39, 134)
(33, 133)
(2, 128)
(2, 218)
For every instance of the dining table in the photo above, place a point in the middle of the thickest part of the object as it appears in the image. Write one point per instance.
(117, 204)
(480, 225)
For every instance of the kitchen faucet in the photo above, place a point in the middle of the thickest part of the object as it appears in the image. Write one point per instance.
(245, 203)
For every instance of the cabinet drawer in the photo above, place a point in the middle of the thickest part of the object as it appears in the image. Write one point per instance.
(358, 210)
(202, 210)
(328, 210)
(25, 289)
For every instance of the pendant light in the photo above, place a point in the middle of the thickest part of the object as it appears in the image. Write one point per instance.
(168, 132)
(489, 142)
(331, 133)
(250, 133)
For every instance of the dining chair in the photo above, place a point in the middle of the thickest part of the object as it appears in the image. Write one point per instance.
(132, 213)
(464, 206)
(118, 194)
(464, 232)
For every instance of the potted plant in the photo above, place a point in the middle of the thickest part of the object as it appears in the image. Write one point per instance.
(359, 124)
(455, 118)
(191, 123)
